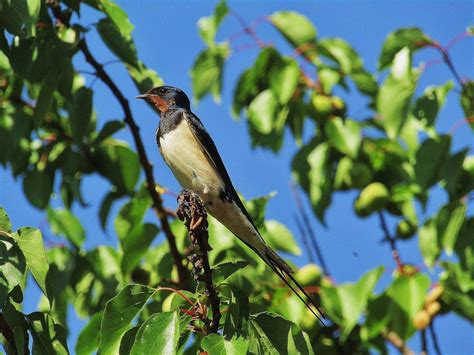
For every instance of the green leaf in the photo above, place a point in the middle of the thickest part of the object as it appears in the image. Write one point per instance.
(109, 128)
(412, 38)
(207, 70)
(215, 344)
(88, 339)
(467, 101)
(38, 186)
(81, 113)
(280, 238)
(223, 271)
(5, 224)
(450, 220)
(122, 46)
(244, 92)
(407, 294)
(159, 334)
(345, 303)
(45, 98)
(430, 158)
(296, 28)
(118, 16)
(128, 340)
(30, 242)
(48, 336)
(63, 222)
(117, 162)
(345, 136)
(208, 25)
(272, 334)
(17, 323)
(394, 96)
(132, 213)
(428, 242)
(105, 207)
(12, 267)
(119, 312)
(365, 82)
(284, 78)
(342, 53)
(427, 106)
(262, 112)
(144, 78)
(257, 206)
(136, 244)
(20, 16)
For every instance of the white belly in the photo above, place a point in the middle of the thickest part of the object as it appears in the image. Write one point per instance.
(184, 155)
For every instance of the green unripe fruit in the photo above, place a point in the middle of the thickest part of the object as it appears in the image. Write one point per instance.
(338, 105)
(372, 198)
(405, 229)
(309, 275)
(322, 104)
(360, 175)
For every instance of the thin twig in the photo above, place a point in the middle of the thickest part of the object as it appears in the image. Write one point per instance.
(391, 241)
(192, 212)
(309, 228)
(424, 344)
(145, 163)
(434, 338)
(247, 29)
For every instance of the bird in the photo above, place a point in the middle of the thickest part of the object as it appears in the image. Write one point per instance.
(190, 153)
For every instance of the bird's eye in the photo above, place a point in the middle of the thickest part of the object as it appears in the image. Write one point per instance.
(162, 91)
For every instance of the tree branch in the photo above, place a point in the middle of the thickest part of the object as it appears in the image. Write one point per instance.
(135, 130)
(434, 338)
(397, 342)
(192, 212)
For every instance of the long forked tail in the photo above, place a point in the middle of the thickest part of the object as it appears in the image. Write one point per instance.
(284, 272)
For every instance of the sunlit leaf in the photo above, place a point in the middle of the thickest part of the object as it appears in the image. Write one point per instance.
(208, 25)
(122, 46)
(280, 238)
(345, 136)
(262, 112)
(63, 222)
(118, 314)
(284, 79)
(216, 344)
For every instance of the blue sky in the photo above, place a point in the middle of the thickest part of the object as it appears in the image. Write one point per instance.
(167, 41)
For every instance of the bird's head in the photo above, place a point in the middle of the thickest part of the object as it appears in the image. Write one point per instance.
(165, 97)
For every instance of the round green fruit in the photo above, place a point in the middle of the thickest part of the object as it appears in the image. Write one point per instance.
(372, 198)
(405, 229)
(309, 275)
(322, 104)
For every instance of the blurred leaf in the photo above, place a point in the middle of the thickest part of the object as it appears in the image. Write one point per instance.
(20, 16)
(16, 321)
(467, 101)
(105, 207)
(428, 242)
(296, 28)
(256, 208)
(222, 271)
(365, 82)
(459, 289)
(280, 238)
(428, 105)
(88, 339)
(21, 55)
(208, 25)
(159, 334)
(455, 176)
(407, 294)
(450, 220)
(342, 53)
(118, 314)
(430, 158)
(5, 223)
(48, 337)
(132, 213)
(122, 46)
(30, 242)
(284, 79)
(109, 128)
(81, 113)
(215, 344)
(272, 334)
(117, 162)
(345, 136)
(412, 38)
(345, 303)
(244, 92)
(135, 245)
(63, 222)
(207, 70)
(144, 78)
(262, 112)
(38, 187)
(394, 96)
(45, 98)
(118, 16)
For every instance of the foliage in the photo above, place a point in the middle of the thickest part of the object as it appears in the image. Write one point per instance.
(132, 296)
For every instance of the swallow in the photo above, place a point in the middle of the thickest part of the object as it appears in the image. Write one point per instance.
(194, 160)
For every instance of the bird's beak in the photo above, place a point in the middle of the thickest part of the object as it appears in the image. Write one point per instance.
(142, 96)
